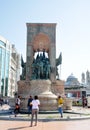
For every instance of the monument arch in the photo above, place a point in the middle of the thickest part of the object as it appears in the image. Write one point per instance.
(41, 37)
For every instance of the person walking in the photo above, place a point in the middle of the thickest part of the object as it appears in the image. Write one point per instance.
(17, 106)
(60, 105)
(84, 101)
(29, 105)
(35, 109)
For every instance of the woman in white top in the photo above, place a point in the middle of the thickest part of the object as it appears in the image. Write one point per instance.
(35, 108)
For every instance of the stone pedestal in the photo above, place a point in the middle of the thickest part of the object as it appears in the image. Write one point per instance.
(58, 87)
(67, 104)
(46, 94)
(48, 101)
(42, 88)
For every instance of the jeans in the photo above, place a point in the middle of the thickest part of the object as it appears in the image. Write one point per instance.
(60, 109)
(34, 113)
(29, 109)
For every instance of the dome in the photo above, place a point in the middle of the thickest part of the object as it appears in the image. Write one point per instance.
(72, 81)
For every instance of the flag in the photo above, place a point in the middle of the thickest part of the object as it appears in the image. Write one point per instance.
(22, 62)
(60, 58)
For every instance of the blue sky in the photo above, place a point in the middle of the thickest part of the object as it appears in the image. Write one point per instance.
(72, 30)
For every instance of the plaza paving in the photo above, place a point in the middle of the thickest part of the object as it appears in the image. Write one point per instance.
(47, 121)
(76, 113)
(51, 125)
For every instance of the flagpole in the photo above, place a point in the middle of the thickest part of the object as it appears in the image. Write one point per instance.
(60, 64)
(60, 72)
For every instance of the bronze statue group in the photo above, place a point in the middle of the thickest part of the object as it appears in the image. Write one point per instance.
(41, 67)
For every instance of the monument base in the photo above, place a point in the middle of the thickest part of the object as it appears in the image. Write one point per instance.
(67, 104)
(42, 88)
(46, 93)
(48, 101)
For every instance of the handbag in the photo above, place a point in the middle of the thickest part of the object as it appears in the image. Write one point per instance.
(17, 106)
(30, 104)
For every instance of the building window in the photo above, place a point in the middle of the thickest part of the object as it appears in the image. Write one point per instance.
(2, 43)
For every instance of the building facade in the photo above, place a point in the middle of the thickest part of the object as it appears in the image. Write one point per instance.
(9, 68)
(73, 88)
